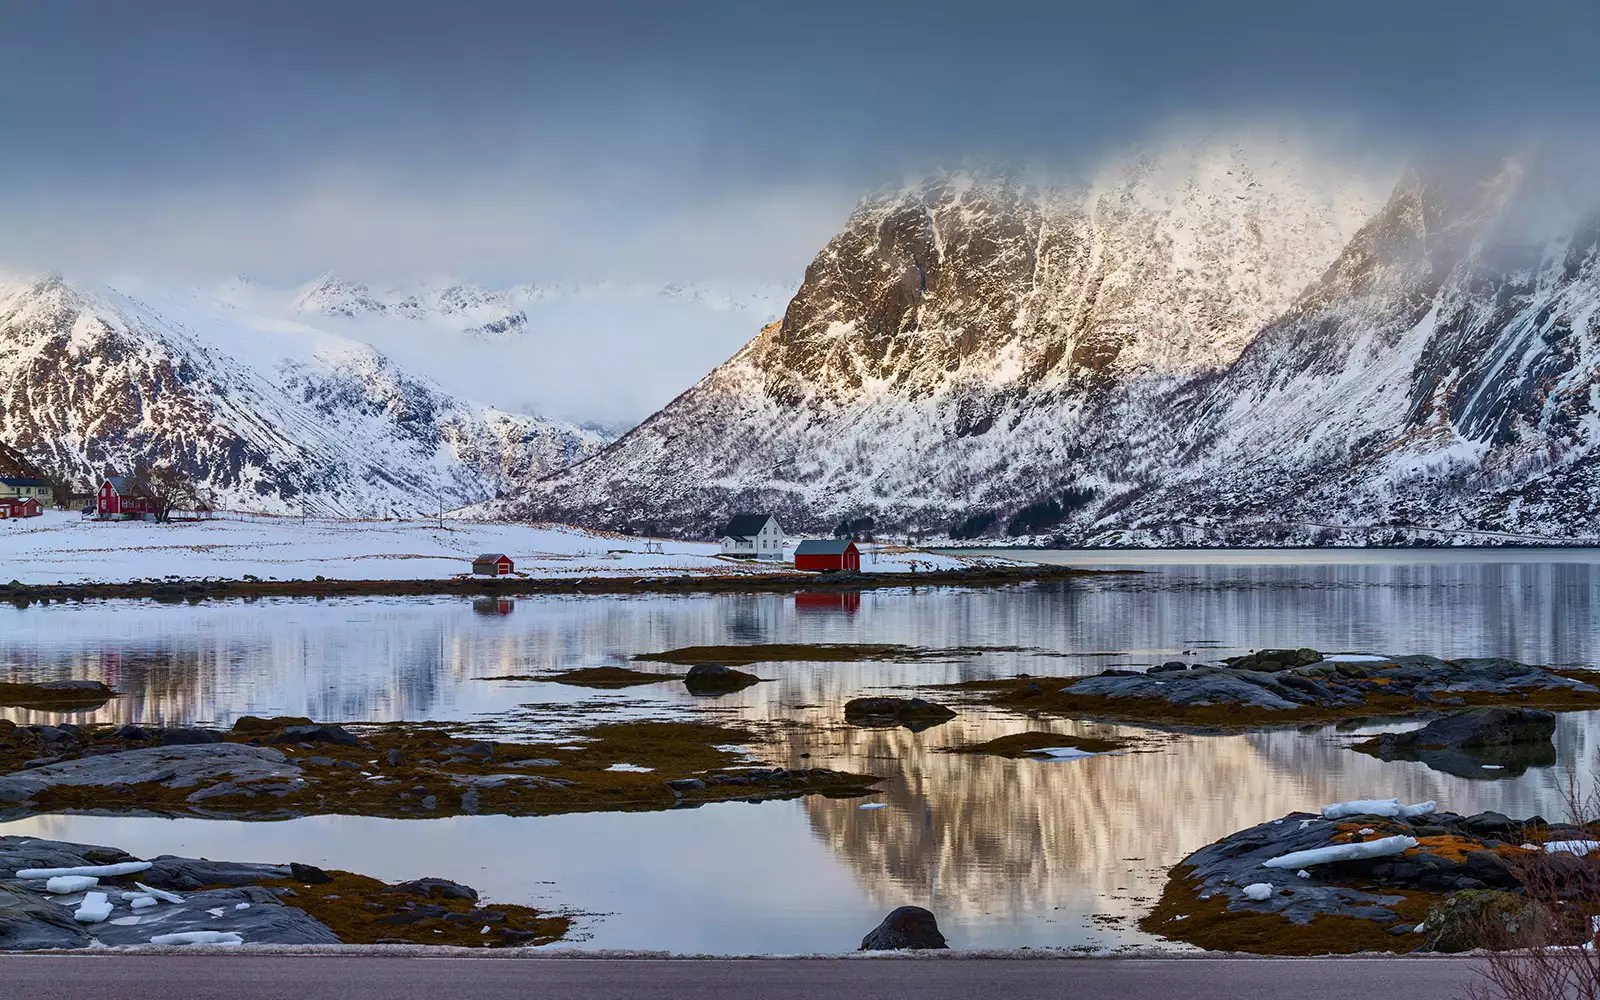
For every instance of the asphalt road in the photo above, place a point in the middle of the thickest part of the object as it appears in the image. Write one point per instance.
(237, 977)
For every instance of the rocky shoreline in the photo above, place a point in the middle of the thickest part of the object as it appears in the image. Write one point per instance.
(1362, 876)
(1292, 687)
(289, 767)
(59, 895)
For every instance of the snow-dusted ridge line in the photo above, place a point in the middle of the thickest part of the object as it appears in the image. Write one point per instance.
(271, 416)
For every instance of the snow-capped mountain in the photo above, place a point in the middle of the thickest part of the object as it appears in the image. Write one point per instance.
(270, 415)
(1205, 344)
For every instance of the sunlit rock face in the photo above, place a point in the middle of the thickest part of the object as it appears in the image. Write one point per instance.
(1206, 343)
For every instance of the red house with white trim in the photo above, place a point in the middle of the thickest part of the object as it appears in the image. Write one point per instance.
(118, 498)
(823, 555)
(493, 564)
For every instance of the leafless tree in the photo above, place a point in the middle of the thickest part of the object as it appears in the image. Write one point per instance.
(167, 489)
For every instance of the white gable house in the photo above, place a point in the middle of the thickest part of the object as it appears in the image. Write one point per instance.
(753, 536)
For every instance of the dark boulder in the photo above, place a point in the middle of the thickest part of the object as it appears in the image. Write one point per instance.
(254, 725)
(713, 678)
(1480, 727)
(308, 874)
(431, 887)
(315, 734)
(189, 737)
(1272, 660)
(905, 928)
(914, 713)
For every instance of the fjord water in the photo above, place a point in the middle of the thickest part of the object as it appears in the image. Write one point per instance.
(1007, 853)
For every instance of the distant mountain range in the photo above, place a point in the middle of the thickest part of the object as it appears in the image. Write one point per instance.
(1205, 344)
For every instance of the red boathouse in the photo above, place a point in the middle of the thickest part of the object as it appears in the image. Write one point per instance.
(824, 555)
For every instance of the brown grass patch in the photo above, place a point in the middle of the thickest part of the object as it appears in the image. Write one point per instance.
(1207, 923)
(363, 910)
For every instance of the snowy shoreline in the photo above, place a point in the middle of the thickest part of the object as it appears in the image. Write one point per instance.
(63, 554)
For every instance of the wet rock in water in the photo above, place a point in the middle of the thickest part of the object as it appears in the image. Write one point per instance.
(254, 725)
(76, 694)
(905, 928)
(336, 735)
(1483, 744)
(1168, 667)
(913, 713)
(714, 678)
(132, 732)
(28, 922)
(1480, 727)
(431, 887)
(1478, 918)
(686, 784)
(188, 737)
(308, 874)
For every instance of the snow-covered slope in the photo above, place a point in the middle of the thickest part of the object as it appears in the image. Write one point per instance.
(270, 415)
(1206, 345)
(949, 350)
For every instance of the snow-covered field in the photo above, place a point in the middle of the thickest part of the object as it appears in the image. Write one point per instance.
(67, 548)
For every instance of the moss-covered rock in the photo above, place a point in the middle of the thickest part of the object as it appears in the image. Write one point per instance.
(1479, 918)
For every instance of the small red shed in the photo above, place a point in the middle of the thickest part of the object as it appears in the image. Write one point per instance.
(493, 564)
(823, 555)
(20, 507)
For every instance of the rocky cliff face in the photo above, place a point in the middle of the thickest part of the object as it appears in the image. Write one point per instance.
(272, 420)
(1200, 347)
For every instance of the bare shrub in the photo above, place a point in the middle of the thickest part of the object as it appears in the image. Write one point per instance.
(1550, 953)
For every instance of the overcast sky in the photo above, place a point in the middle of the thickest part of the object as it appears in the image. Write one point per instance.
(671, 140)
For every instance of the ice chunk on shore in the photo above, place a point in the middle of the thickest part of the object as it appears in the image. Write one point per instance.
(1062, 753)
(1259, 892)
(142, 902)
(63, 884)
(199, 937)
(98, 871)
(1579, 847)
(161, 894)
(96, 906)
(872, 805)
(1377, 807)
(1342, 852)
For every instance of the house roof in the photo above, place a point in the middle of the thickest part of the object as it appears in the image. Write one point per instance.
(491, 557)
(118, 483)
(823, 547)
(745, 525)
(21, 481)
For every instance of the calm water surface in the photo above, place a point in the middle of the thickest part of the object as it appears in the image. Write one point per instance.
(1007, 853)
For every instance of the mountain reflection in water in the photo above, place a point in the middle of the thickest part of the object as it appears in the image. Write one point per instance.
(1007, 852)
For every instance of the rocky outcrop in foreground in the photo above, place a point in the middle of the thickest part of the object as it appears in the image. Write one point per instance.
(1288, 686)
(55, 894)
(1361, 876)
(906, 928)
